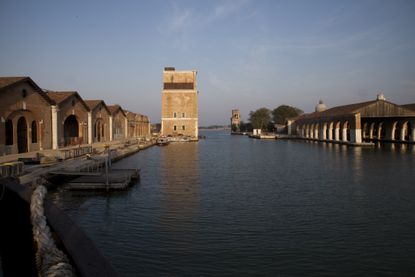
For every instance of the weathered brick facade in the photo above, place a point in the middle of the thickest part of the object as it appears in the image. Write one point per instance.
(33, 119)
(179, 103)
(100, 120)
(119, 122)
(72, 118)
(138, 125)
(25, 123)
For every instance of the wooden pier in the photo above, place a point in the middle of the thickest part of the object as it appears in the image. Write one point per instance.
(117, 179)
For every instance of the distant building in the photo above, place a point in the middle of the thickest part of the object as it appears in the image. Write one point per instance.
(376, 120)
(71, 115)
(99, 120)
(118, 123)
(179, 114)
(138, 125)
(235, 120)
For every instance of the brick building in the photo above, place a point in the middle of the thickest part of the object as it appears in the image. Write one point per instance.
(179, 116)
(71, 115)
(33, 119)
(25, 123)
(99, 121)
(138, 125)
(118, 123)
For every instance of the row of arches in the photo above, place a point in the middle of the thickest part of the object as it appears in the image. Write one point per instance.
(390, 130)
(99, 131)
(20, 134)
(337, 131)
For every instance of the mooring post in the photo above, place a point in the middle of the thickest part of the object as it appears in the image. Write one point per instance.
(107, 147)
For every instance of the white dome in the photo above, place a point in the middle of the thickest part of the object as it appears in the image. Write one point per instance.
(381, 96)
(321, 106)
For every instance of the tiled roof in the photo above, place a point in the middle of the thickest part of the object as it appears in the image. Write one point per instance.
(7, 81)
(92, 103)
(60, 96)
(114, 108)
(409, 106)
(373, 108)
(336, 111)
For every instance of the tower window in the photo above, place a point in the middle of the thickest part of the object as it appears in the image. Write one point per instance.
(183, 115)
(174, 128)
(24, 93)
(174, 114)
(183, 127)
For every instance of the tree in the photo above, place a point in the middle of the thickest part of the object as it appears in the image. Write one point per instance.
(260, 118)
(281, 113)
(245, 127)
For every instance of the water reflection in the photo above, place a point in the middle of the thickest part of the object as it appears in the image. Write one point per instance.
(179, 184)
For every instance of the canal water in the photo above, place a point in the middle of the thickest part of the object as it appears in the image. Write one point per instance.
(234, 206)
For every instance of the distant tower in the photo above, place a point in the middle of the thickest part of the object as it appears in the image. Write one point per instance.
(321, 106)
(179, 109)
(235, 121)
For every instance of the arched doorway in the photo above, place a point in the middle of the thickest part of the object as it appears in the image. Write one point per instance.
(21, 135)
(71, 130)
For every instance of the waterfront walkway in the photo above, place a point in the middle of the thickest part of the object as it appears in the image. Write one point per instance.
(52, 161)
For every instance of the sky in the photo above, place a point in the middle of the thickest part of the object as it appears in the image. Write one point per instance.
(248, 54)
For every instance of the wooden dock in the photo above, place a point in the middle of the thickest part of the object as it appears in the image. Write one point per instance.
(118, 179)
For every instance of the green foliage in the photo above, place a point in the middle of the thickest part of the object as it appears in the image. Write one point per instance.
(281, 113)
(245, 127)
(260, 118)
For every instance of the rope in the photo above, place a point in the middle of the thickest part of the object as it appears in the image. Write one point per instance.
(50, 261)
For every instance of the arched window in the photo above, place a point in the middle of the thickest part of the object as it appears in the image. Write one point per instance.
(34, 132)
(9, 132)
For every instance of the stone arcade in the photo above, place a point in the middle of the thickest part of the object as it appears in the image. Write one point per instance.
(377, 120)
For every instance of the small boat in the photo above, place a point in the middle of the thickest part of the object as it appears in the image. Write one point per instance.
(162, 141)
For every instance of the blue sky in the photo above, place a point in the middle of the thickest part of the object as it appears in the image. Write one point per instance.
(249, 54)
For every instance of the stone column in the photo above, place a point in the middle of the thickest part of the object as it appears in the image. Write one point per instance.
(379, 132)
(126, 128)
(344, 134)
(402, 134)
(40, 138)
(323, 132)
(89, 127)
(110, 127)
(336, 133)
(316, 132)
(356, 130)
(54, 127)
(196, 129)
(372, 126)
